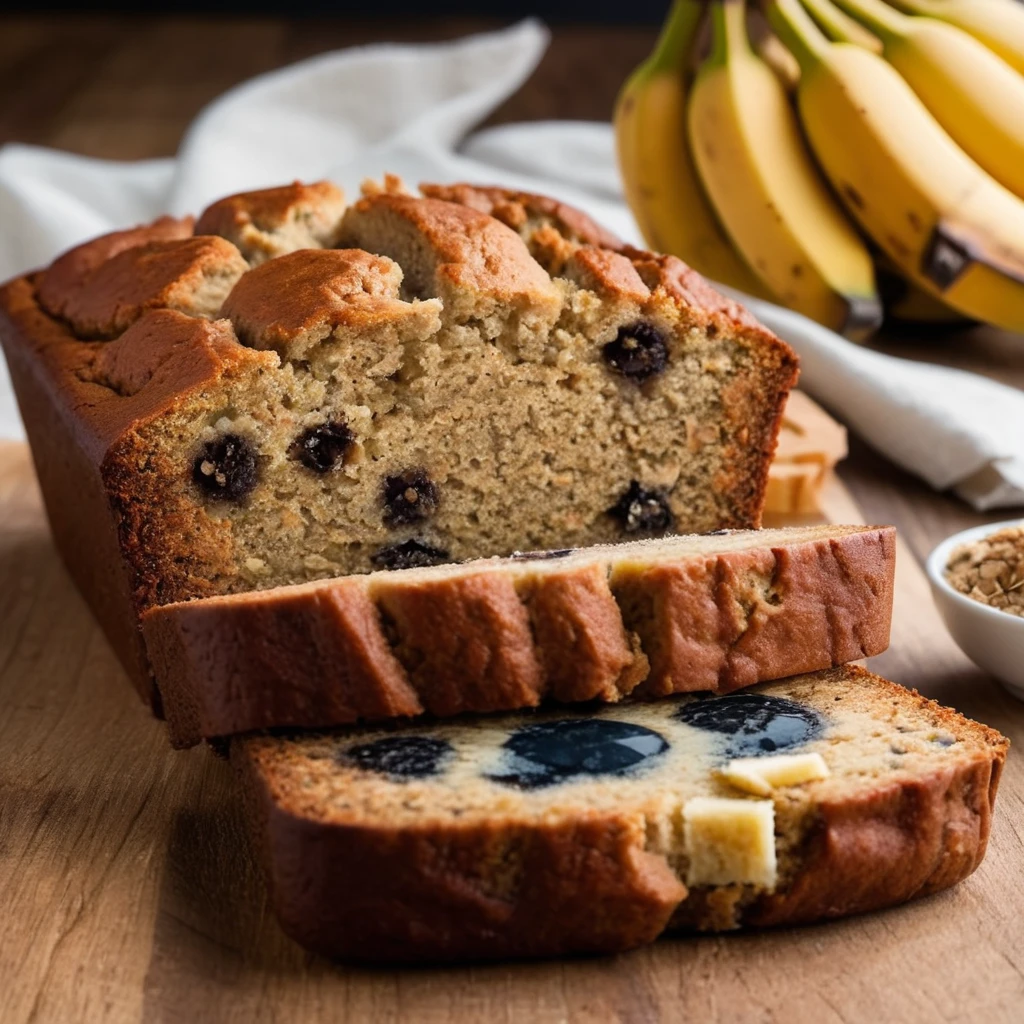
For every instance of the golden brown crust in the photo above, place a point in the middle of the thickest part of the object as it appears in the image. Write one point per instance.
(583, 645)
(470, 260)
(607, 273)
(503, 637)
(583, 881)
(303, 296)
(584, 886)
(273, 221)
(903, 841)
(83, 404)
(467, 643)
(192, 275)
(740, 618)
(521, 210)
(68, 276)
(358, 676)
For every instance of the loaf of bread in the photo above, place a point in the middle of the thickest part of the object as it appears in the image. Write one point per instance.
(559, 832)
(653, 617)
(303, 390)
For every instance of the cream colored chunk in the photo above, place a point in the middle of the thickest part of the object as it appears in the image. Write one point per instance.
(760, 775)
(729, 841)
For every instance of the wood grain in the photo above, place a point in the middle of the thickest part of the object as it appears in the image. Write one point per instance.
(131, 893)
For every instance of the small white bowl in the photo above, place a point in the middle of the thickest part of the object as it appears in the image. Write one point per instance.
(992, 639)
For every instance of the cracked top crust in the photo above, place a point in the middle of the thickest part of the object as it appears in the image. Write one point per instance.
(295, 301)
(193, 275)
(63, 282)
(527, 211)
(475, 264)
(271, 222)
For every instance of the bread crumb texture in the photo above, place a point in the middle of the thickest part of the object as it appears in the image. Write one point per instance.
(307, 389)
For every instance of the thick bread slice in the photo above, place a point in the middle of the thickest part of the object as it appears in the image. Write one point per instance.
(544, 834)
(652, 617)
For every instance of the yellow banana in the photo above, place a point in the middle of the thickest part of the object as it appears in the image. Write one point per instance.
(658, 174)
(975, 95)
(762, 182)
(837, 24)
(946, 224)
(910, 308)
(999, 24)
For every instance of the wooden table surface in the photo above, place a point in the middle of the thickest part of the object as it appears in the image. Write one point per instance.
(128, 889)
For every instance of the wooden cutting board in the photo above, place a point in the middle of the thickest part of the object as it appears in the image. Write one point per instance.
(129, 892)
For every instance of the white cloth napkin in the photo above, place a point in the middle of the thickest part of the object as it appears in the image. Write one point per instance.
(410, 109)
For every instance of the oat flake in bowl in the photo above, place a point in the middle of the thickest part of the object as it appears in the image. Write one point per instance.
(991, 570)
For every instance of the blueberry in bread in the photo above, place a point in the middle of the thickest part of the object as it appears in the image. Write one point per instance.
(549, 833)
(649, 618)
(292, 390)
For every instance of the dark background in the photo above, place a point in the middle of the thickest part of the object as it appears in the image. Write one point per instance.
(606, 11)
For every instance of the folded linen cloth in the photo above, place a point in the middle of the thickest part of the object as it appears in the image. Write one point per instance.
(410, 110)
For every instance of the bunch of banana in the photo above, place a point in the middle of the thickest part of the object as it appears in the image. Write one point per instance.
(657, 171)
(946, 223)
(716, 172)
(855, 128)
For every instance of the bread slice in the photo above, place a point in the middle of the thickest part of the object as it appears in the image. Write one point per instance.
(310, 390)
(562, 832)
(649, 617)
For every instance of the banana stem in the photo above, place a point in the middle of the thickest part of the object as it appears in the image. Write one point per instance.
(879, 17)
(795, 27)
(839, 26)
(728, 30)
(677, 35)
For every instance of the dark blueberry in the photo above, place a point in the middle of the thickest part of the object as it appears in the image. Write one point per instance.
(405, 756)
(551, 752)
(944, 741)
(409, 497)
(638, 351)
(322, 448)
(754, 724)
(642, 511)
(410, 554)
(226, 468)
(718, 533)
(536, 556)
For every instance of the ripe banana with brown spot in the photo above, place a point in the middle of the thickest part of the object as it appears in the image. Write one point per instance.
(947, 225)
(660, 180)
(764, 186)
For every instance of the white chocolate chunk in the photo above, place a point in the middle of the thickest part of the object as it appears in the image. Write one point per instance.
(760, 775)
(729, 841)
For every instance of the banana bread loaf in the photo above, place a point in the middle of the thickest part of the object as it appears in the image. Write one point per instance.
(650, 617)
(565, 832)
(222, 412)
